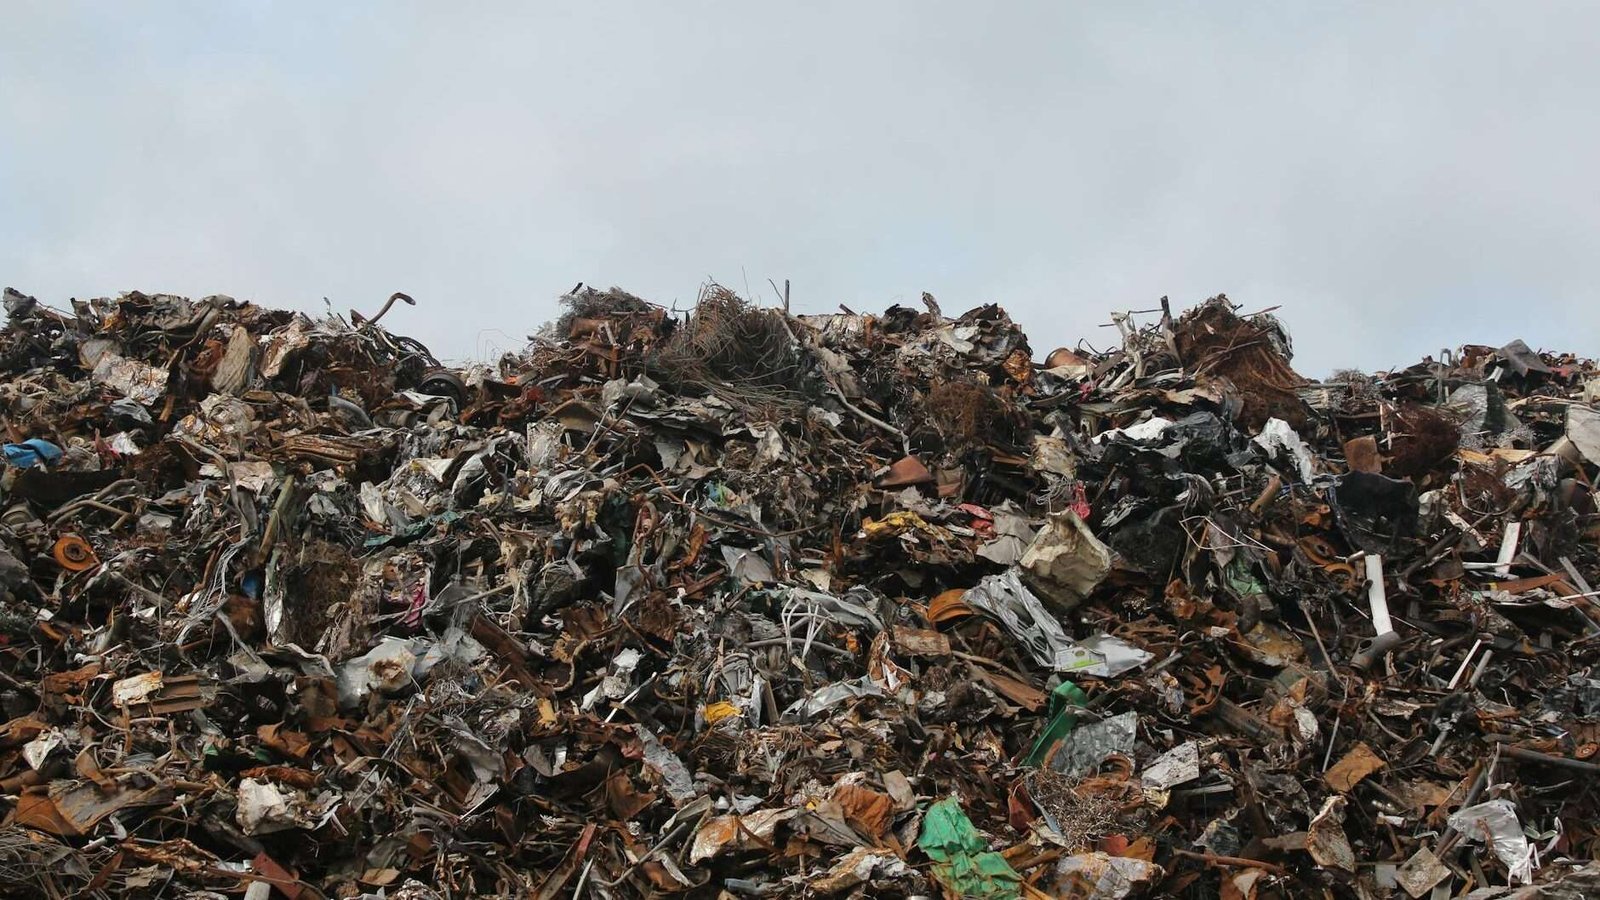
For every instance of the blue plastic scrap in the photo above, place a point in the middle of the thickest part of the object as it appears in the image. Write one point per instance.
(32, 452)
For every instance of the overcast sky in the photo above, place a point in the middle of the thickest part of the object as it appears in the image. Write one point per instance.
(1399, 177)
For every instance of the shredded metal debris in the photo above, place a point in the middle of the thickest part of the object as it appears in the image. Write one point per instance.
(739, 603)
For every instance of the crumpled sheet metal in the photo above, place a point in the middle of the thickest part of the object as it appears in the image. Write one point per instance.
(1579, 884)
(1180, 765)
(1008, 600)
(1278, 438)
(1065, 562)
(132, 379)
(1583, 430)
(675, 777)
(1089, 746)
(1496, 826)
(1101, 876)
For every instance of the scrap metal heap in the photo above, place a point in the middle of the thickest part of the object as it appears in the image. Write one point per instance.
(736, 603)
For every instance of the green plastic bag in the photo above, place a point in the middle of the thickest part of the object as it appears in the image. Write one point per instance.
(961, 860)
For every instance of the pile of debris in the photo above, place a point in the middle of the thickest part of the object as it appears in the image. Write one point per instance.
(738, 603)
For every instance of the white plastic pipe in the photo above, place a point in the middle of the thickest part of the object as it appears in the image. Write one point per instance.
(1376, 597)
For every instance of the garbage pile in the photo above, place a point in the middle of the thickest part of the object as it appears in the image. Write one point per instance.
(737, 603)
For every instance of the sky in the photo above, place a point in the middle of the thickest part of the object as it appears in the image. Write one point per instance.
(1396, 178)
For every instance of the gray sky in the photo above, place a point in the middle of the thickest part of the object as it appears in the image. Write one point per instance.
(1398, 177)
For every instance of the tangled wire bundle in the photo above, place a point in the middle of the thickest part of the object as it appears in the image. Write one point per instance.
(1213, 339)
(42, 864)
(728, 344)
(590, 303)
(967, 414)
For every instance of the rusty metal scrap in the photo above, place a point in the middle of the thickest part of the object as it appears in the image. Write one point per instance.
(737, 602)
